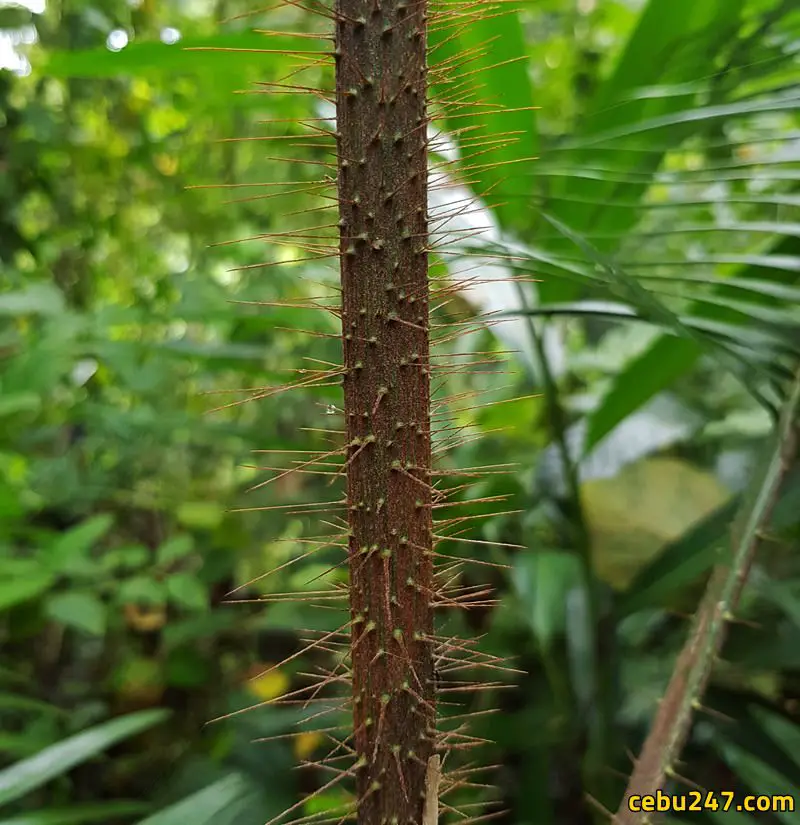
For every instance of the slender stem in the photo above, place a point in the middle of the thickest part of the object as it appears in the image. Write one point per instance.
(599, 676)
(696, 661)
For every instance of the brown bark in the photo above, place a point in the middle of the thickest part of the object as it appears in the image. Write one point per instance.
(381, 124)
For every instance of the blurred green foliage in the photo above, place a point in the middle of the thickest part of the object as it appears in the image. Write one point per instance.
(666, 189)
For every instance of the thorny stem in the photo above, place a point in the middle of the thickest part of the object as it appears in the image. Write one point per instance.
(381, 88)
(696, 661)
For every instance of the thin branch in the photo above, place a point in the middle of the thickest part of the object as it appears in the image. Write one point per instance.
(696, 661)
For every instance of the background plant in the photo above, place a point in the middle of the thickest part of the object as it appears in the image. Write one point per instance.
(670, 179)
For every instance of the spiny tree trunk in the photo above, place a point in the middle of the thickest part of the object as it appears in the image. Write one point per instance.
(381, 78)
(382, 136)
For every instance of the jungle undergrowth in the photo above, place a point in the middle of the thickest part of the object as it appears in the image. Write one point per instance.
(391, 699)
(399, 754)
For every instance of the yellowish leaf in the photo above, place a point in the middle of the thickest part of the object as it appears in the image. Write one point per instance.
(306, 743)
(270, 685)
(648, 504)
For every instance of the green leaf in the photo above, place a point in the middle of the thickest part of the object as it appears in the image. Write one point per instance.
(647, 375)
(37, 299)
(647, 504)
(679, 563)
(580, 651)
(202, 807)
(18, 745)
(228, 352)
(81, 611)
(672, 44)
(15, 702)
(499, 143)
(174, 549)
(14, 17)
(678, 360)
(143, 590)
(154, 57)
(200, 515)
(746, 342)
(759, 777)
(650, 307)
(694, 114)
(187, 668)
(19, 402)
(745, 283)
(69, 553)
(196, 626)
(543, 581)
(26, 776)
(187, 591)
(781, 730)
(78, 814)
(129, 558)
(17, 590)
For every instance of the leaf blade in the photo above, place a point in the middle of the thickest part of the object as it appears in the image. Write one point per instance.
(29, 774)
